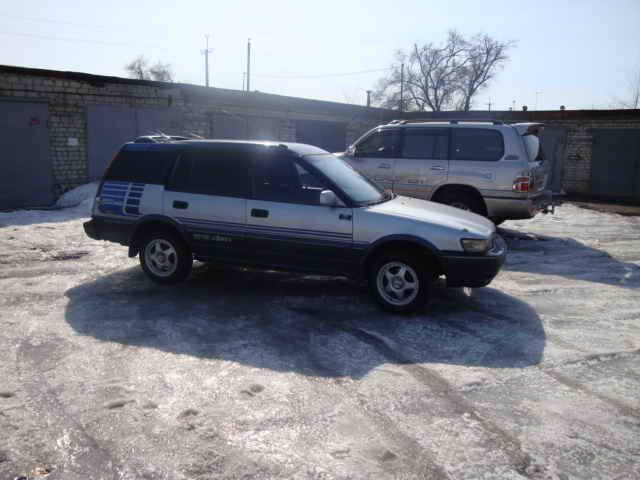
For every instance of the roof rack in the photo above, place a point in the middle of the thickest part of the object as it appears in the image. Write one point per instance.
(161, 137)
(450, 121)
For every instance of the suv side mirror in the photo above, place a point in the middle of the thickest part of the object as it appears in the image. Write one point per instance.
(328, 198)
(351, 151)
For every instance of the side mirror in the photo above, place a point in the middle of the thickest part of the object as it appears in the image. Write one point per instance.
(351, 151)
(328, 198)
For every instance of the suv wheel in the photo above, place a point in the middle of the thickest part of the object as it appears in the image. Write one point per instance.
(399, 282)
(165, 258)
(462, 200)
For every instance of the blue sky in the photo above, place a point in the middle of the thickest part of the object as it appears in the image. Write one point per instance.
(577, 53)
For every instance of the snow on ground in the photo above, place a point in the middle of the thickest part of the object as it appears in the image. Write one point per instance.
(242, 373)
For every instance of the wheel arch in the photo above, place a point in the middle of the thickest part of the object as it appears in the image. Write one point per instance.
(453, 187)
(154, 222)
(403, 243)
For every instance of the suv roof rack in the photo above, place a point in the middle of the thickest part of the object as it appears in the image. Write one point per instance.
(445, 120)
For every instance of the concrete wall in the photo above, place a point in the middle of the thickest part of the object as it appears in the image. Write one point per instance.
(69, 94)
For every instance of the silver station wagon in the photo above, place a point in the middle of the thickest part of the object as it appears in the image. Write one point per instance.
(489, 168)
(285, 206)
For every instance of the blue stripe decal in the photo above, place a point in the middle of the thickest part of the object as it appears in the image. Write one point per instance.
(121, 198)
(266, 228)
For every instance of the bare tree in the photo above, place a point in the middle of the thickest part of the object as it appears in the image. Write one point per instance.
(485, 56)
(633, 94)
(139, 68)
(161, 72)
(442, 77)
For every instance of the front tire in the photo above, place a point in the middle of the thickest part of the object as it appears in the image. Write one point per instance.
(399, 282)
(165, 258)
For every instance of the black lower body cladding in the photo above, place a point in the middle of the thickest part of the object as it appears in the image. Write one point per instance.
(464, 270)
(110, 230)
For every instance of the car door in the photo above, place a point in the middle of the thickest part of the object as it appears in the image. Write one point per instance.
(423, 162)
(286, 225)
(207, 194)
(475, 154)
(375, 156)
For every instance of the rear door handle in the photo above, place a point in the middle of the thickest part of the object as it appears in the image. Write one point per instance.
(438, 168)
(384, 165)
(259, 213)
(180, 205)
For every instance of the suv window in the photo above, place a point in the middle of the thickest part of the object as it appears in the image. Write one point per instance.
(425, 143)
(477, 144)
(278, 178)
(221, 170)
(383, 143)
(141, 166)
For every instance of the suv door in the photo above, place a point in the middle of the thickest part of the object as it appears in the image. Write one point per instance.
(286, 224)
(207, 194)
(375, 156)
(423, 162)
(475, 153)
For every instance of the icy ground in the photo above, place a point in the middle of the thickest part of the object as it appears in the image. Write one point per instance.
(248, 374)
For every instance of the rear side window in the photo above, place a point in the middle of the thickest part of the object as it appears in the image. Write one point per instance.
(432, 144)
(381, 144)
(221, 170)
(141, 166)
(477, 144)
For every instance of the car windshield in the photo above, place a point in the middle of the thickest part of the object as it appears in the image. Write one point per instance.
(357, 187)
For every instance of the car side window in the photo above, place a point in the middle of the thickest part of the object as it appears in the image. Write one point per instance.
(222, 171)
(278, 178)
(425, 143)
(477, 144)
(381, 144)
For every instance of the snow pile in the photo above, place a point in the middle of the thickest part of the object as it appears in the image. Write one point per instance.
(84, 194)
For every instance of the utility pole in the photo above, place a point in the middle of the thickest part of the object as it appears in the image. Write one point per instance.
(244, 77)
(249, 65)
(368, 98)
(402, 87)
(489, 104)
(206, 52)
(537, 93)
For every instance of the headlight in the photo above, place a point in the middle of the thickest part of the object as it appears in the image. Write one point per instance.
(474, 245)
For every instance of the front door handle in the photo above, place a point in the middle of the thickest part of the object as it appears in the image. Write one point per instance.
(438, 168)
(180, 205)
(259, 213)
(384, 165)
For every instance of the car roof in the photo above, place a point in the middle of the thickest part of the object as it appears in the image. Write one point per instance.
(301, 149)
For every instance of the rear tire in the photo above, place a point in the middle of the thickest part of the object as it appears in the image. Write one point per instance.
(462, 200)
(399, 282)
(165, 257)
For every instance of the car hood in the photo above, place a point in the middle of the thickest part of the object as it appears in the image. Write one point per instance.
(436, 214)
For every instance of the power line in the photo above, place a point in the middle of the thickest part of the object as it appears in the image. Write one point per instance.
(61, 22)
(323, 75)
(77, 40)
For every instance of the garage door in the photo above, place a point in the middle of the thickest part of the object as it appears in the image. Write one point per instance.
(26, 179)
(330, 136)
(554, 140)
(615, 164)
(109, 127)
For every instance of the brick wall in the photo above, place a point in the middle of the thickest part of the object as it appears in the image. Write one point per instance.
(69, 95)
(576, 166)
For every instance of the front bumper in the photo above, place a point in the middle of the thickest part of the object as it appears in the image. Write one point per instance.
(471, 270)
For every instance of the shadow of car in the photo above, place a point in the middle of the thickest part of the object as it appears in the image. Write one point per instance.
(311, 325)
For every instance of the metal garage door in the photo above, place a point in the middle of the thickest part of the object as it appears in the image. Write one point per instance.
(109, 127)
(615, 163)
(328, 135)
(26, 178)
(554, 140)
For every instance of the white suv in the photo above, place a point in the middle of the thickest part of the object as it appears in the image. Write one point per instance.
(489, 168)
(285, 206)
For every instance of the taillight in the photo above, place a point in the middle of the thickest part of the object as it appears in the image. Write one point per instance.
(521, 184)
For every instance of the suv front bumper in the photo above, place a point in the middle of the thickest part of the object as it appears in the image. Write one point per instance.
(471, 270)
